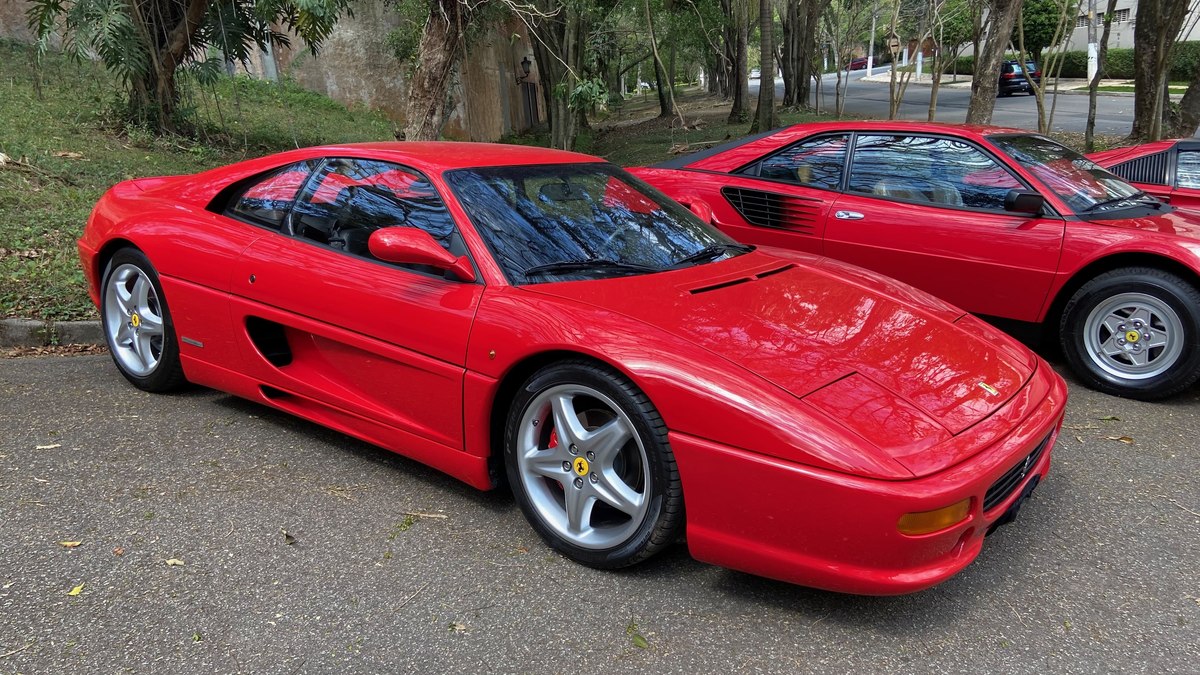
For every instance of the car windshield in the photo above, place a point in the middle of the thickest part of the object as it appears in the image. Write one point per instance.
(582, 221)
(1079, 181)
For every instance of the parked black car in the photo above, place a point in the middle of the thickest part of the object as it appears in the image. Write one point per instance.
(1012, 77)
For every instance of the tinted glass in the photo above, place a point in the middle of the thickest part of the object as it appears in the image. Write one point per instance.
(815, 162)
(1079, 181)
(940, 171)
(1187, 170)
(538, 216)
(351, 198)
(267, 202)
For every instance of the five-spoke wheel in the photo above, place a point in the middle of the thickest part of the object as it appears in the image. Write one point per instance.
(1134, 332)
(137, 324)
(588, 461)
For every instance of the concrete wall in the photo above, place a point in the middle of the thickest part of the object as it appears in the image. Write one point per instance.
(1121, 35)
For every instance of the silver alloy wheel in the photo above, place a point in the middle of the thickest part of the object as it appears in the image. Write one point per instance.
(1133, 336)
(133, 320)
(583, 466)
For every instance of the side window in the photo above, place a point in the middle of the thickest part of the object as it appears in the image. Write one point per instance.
(1187, 169)
(349, 199)
(815, 162)
(267, 201)
(939, 171)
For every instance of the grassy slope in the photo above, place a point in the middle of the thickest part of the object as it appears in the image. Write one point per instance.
(43, 207)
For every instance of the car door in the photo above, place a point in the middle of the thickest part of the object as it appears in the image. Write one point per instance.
(1186, 190)
(784, 199)
(929, 210)
(340, 335)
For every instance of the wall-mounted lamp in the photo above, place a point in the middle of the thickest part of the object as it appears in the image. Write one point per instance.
(526, 64)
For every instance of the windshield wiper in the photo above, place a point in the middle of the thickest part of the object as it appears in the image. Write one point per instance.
(1138, 197)
(565, 266)
(711, 252)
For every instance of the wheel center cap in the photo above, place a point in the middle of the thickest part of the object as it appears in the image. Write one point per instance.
(580, 466)
(1132, 336)
(135, 320)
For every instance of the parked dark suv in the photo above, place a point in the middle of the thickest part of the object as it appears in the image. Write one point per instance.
(1012, 77)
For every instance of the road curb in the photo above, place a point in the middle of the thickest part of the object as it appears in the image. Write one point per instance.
(37, 333)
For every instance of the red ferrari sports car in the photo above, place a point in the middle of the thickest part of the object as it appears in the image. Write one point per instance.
(1169, 170)
(543, 316)
(1003, 223)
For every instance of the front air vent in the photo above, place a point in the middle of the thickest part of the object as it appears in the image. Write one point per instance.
(771, 209)
(716, 287)
(1007, 484)
(1151, 169)
(769, 273)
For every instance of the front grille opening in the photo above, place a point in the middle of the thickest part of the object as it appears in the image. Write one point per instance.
(1006, 484)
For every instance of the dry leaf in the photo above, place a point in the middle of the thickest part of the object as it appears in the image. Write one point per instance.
(75, 591)
(48, 447)
(458, 627)
(1123, 439)
(118, 551)
(67, 154)
(287, 538)
(174, 562)
(69, 544)
(4, 159)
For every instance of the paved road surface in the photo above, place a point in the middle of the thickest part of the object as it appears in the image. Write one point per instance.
(1114, 114)
(1100, 574)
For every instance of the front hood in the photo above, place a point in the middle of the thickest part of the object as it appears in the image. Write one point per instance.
(899, 373)
(1173, 221)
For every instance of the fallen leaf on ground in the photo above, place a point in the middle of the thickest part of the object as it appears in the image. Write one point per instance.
(48, 447)
(458, 627)
(639, 641)
(4, 159)
(287, 538)
(118, 551)
(174, 562)
(1109, 418)
(1123, 439)
(69, 544)
(67, 154)
(76, 591)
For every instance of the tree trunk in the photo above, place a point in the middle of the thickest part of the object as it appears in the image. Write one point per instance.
(1154, 34)
(558, 51)
(738, 85)
(764, 116)
(666, 92)
(1089, 132)
(440, 49)
(985, 81)
(153, 96)
(789, 22)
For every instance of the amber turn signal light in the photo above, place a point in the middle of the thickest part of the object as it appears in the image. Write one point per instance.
(932, 521)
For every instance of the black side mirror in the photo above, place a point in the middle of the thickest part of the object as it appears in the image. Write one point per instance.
(1024, 201)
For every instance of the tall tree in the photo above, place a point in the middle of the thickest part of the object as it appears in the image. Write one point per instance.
(765, 116)
(1154, 36)
(146, 42)
(1002, 14)
(739, 37)
(666, 87)
(559, 29)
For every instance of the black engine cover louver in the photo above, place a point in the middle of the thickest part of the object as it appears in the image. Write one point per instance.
(771, 209)
(1151, 169)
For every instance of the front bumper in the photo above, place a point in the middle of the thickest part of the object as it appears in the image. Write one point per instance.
(778, 519)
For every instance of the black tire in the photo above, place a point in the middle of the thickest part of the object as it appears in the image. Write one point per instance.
(166, 373)
(1169, 368)
(663, 517)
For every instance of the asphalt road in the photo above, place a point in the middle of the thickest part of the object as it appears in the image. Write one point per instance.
(1114, 114)
(1101, 573)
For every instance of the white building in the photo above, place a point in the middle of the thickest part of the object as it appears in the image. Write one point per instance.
(1124, 19)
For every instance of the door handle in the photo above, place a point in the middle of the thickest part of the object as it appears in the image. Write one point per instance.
(848, 215)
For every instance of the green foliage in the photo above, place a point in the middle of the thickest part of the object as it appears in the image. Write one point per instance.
(72, 148)
(406, 38)
(588, 94)
(1040, 19)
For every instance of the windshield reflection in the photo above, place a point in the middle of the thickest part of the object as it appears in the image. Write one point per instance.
(580, 221)
(1079, 181)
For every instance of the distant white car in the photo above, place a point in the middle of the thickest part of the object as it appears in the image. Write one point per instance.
(755, 74)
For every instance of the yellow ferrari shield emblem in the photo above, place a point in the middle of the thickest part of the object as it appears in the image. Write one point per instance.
(135, 320)
(580, 466)
(1132, 336)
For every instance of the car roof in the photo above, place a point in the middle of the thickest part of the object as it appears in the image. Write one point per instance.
(711, 158)
(448, 155)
